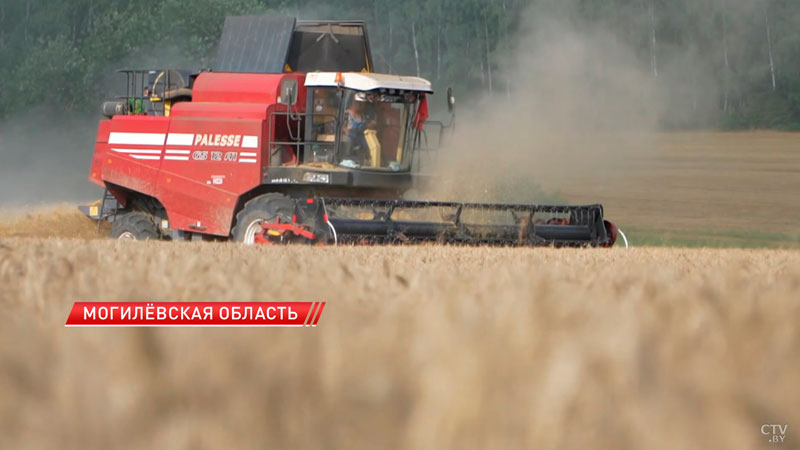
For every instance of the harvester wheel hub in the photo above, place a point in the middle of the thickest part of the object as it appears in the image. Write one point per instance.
(253, 229)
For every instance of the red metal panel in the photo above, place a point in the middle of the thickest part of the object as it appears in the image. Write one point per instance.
(137, 123)
(207, 165)
(198, 161)
(134, 175)
(255, 111)
(103, 129)
(132, 152)
(192, 206)
(241, 87)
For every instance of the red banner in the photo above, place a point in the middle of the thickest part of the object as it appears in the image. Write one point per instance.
(195, 314)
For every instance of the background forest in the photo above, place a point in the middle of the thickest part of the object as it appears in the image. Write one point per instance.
(726, 63)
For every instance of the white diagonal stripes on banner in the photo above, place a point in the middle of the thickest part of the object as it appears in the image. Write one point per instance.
(310, 315)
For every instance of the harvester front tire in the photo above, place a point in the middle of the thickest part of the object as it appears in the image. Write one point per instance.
(264, 208)
(135, 226)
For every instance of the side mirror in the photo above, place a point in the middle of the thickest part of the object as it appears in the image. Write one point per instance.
(451, 100)
(288, 92)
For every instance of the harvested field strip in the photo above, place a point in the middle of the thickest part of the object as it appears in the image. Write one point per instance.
(711, 238)
(745, 181)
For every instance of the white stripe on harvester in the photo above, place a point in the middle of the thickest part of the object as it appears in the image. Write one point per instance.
(247, 160)
(145, 157)
(136, 138)
(246, 154)
(178, 152)
(249, 141)
(176, 158)
(135, 150)
(180, 139)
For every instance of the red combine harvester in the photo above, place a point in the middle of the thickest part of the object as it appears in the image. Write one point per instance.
(292, 138)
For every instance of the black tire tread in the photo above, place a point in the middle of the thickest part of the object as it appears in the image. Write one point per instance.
(140, 224)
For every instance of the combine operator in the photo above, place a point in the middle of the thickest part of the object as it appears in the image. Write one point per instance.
(360, 130)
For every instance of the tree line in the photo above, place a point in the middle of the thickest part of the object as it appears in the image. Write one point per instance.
(736, 63)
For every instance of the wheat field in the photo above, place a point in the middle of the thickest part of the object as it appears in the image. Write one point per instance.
(419, 347)
(429, 347)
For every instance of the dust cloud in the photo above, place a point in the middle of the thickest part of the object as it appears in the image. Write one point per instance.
(46, 152)
(579, 102)
(44, 158)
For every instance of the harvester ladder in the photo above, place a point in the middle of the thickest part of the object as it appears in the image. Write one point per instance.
(107, 198)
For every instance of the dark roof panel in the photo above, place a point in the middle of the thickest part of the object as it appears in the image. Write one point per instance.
(254, 44)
